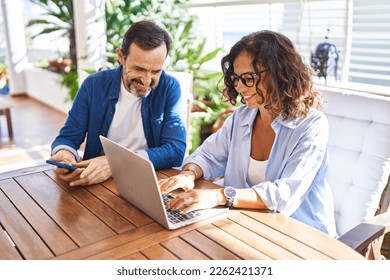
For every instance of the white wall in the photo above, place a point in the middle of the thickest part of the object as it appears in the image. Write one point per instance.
(44, 86)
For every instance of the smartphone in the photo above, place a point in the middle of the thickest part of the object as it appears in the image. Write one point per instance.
(61, 164)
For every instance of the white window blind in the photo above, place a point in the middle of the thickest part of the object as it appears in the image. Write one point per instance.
(359, 29)
(223, 25)
(306, 23)
(310, 23)
(370, 48)
(2, 40)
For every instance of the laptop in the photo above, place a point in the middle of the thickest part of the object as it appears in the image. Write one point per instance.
(136, 181)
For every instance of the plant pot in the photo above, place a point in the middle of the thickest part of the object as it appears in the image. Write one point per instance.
(221, 119)
(196, 108)
(60, 65)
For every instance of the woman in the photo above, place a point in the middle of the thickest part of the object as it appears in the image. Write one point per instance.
(272, 151)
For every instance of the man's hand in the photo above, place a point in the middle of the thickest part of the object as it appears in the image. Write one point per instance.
(94, 171)
(62, 173)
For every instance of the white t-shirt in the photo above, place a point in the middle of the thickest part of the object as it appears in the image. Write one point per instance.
(126, 127)
(256, 171)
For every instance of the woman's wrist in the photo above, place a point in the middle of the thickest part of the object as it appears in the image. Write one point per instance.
(188, 173)
(193, 171)
(221, 197)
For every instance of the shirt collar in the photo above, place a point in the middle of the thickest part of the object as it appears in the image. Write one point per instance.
(117, 81)
(290, 123)
(251, 117)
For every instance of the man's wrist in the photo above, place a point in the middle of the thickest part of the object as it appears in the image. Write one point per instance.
(66, 154)
(66, 148)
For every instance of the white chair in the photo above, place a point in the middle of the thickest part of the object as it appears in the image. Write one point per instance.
(185, 80)
(359, 149)
(5, 109)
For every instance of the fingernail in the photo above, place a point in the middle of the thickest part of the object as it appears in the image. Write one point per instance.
(71, 184)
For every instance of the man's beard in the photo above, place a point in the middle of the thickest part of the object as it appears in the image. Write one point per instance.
(137, 92)
(133, 90)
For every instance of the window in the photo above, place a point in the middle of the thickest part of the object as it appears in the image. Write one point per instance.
(359, 30)
(370, 43)
(43, 47)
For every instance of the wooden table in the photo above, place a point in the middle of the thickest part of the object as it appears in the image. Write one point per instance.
(46, 219)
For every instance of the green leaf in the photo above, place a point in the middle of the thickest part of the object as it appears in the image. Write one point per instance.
(210, 56)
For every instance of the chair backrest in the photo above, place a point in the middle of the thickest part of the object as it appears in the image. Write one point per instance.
(185, 80)
(359, 149)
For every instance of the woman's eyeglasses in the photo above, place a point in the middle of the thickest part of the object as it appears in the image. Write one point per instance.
(248, 79)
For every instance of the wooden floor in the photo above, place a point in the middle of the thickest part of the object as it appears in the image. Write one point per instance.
(35, 125)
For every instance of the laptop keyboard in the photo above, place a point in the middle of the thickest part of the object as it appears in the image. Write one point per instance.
(176, 217)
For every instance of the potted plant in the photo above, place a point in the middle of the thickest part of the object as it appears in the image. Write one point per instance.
(57, 18)
(4, 83)
(209, 108)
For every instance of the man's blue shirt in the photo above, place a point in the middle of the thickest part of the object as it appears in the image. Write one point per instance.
(163, 114)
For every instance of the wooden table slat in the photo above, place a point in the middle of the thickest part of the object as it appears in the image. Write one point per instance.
(135, 256)
(76, 220)
(183, 250)
(96, 205)
(292, 249)
(115, 207)
(8, 250)
(158, 252)
(232, 243)
(111, 243)
(146, 241)
(208, 246)
(23, 236)
(317, 239)
(266, 247)
(110, 185)
(120, 205)
(57, 240)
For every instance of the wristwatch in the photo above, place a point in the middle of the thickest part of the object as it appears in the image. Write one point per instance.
(230, 193)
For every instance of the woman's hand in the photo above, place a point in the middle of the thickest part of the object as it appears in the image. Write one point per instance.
(183, 180)
(195, 199)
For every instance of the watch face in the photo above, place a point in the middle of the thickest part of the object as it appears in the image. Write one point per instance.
(230, 192)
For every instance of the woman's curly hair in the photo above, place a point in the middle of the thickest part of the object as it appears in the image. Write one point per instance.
(288, 80)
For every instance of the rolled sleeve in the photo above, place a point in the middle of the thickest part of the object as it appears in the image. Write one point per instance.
(286, 194)
(68, 148)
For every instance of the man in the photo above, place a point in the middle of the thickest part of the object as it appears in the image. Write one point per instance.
(137, 105)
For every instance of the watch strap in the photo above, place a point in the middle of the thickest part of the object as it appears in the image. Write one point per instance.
(230, 194)
(229, 202)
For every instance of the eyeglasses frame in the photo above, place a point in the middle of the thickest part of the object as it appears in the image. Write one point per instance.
(252, 74)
